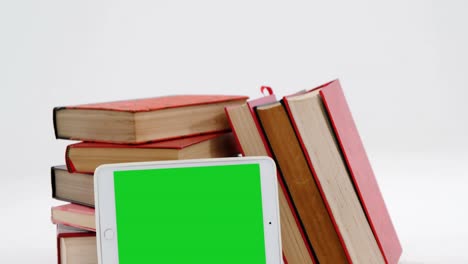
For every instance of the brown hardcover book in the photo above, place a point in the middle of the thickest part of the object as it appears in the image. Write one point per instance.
(85, 157)
(313, 129)
(301, 184)
(76, 246)
(144, 120)
(296, 249)
(72, 187)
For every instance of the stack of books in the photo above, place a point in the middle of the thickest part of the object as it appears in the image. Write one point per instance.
(163, 128)
(331, 208)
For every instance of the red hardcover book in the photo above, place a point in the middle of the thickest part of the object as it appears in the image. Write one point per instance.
(75, 245)
(74, 215)
(85, 157)
(361, 171)
(144, 120)
(299, 248)
(354, 160)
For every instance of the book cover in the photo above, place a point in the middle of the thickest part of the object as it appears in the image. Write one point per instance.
(157, 103)
(361, 171)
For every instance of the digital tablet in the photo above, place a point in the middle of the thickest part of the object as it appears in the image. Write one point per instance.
(212, 211)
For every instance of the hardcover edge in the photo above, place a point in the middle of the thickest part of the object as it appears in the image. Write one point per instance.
(54, 117)
(232, 98)
(68, 162)
(52, 181)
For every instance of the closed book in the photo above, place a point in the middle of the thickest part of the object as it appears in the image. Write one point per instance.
(245, 125)
(76, 246)
(85, 157)
(144, 120)
(315, 133)
(72, 187)
(301, 184)
(74, 215)
(361, 171)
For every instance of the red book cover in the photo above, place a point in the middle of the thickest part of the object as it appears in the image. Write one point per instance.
(65, 231)
(252, 104)
(76, 210)
(361, 171)
(158, 103)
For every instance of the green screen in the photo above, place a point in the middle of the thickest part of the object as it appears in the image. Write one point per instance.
(209, 215)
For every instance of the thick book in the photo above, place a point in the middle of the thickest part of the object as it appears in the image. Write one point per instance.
(76, 246)
(301, 185)
(144, 120)
(72, 187)
(315, 133)
(85, 157)
(247, 130)
(74, 215)
(361, 171)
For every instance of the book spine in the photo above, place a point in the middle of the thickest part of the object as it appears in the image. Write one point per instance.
(52, 181)
(54, 120)
(234, 133)
(70, 166)
(59, 257)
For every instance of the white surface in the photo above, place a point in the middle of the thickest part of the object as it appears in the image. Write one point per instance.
(105, 200)
(403, 66)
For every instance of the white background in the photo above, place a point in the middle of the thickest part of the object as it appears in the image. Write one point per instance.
(402, 65)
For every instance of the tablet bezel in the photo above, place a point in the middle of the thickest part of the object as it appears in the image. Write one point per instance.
(105, 202)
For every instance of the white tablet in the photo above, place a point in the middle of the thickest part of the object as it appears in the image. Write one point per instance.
(209, 211)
